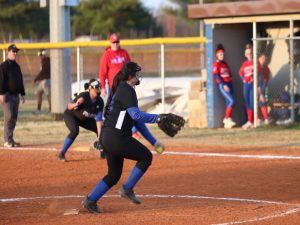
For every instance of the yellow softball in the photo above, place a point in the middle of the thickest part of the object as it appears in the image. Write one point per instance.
(159, 149)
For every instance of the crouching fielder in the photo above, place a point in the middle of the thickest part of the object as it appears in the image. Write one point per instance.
(121, 112)
(85, 111)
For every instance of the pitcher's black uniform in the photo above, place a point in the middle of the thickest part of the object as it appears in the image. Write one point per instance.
(116, 135)
(121, 113)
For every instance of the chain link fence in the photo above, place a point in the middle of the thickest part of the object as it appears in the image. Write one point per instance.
(278, 92)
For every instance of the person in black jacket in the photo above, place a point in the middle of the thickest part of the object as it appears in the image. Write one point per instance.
(43, 79)
(11, 86)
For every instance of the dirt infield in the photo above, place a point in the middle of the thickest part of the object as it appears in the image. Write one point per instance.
(194, 185)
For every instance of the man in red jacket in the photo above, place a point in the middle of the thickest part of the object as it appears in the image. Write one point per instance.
(111, 62)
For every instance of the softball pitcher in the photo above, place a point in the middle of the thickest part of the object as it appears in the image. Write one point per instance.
(121, 113)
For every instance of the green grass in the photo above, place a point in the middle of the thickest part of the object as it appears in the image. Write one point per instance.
(44, 130)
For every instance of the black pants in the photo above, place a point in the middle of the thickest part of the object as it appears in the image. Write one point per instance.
(119, 146)
(73, 124)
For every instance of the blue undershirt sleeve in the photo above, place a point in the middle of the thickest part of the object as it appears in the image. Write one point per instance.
(140, 116)
(142, 128)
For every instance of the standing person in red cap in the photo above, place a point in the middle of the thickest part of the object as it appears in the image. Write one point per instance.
(111, 62)
(11, 88)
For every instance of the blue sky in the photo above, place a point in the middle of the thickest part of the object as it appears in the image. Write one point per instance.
(155, 4)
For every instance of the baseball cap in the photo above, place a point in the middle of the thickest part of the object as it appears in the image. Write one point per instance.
(42, 52)
(95, 84)
(12, 47)
(114, 37)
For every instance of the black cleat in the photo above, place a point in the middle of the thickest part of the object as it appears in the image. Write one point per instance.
(91, 206)
(16, 144)
(62, 157)
(129, 194)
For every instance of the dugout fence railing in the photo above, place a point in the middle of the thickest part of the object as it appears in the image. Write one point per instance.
(158, 57)
(282, 91)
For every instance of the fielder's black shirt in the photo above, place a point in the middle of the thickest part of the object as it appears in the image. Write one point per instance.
(89, 109)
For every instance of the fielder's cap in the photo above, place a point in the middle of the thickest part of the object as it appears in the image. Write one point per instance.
(12, 47)
(94, 83)
(220, 49)
(114, 37)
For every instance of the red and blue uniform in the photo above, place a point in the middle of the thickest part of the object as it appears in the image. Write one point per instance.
(223, 77)
(246, 72)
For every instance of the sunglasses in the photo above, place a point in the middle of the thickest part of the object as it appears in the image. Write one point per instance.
(116, 42)
(15, 51)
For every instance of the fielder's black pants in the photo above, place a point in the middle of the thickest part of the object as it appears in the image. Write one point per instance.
(74, 123)
(119, 146)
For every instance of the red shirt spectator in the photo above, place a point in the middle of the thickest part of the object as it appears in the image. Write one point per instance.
(111, 62)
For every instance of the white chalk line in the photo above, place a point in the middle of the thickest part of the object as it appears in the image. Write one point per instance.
(149, 196)
(29, 149)
(280, 214)
(199, 154)
(203, 154)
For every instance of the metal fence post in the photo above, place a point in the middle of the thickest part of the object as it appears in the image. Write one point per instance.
(291, 42)
(162, 71)
(78, 70)
(255, 73)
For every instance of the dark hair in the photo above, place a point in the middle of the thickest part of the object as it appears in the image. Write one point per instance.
(248, 46)
(220, 47)
(127, 71)
(86, 86)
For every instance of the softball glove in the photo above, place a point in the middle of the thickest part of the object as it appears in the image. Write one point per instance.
(170, 123)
